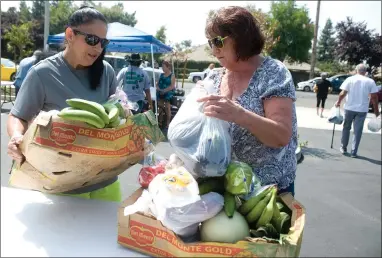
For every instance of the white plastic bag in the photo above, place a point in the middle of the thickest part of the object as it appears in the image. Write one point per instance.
(202, 143)
(184, 221)
(374, 124)
(335, 116)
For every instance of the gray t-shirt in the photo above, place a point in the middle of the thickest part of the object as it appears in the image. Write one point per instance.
(134, 82)
(50, 83)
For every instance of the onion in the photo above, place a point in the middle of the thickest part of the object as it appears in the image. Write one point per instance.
(223, 229)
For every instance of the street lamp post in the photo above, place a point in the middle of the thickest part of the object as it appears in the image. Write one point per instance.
(313, 59)
(46, 26)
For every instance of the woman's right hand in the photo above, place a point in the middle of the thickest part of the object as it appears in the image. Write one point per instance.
(13, 147)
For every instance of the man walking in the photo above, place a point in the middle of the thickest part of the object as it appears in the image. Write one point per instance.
(356, 89)
(323, 87)
(24, 67)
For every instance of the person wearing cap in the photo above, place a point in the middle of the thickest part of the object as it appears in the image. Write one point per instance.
(322, 89)
(24, 67)
(135, 82)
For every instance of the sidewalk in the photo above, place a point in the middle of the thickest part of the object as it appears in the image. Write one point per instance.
(307, 118)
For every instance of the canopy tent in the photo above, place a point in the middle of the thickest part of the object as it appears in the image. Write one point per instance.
(126, 39)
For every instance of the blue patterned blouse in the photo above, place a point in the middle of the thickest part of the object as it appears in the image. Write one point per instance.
(271, 165)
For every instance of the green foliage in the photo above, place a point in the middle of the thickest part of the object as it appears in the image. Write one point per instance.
(60, 12)
(334, 67)
(116, 13)
(294, 30)
(18, 39)
(59, 16)
(326, 44)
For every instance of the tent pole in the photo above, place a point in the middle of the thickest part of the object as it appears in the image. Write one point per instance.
(152, 64)
(173, 69)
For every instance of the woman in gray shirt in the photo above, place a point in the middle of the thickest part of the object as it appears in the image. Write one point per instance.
(77, 72)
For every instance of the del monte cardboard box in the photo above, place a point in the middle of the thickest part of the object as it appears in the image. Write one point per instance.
(62, 155)
(147, 235)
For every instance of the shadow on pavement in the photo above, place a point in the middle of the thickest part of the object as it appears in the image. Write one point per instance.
(374, 161)
(319, 153)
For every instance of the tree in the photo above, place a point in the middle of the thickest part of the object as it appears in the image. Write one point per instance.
(267, 26)
(38, 12)
(294, 29)
(375, 58)
(19, 39)
(116, 13)
(161, 36)
(59, 16)
(354, 41)
(327, 44)
(25, 14)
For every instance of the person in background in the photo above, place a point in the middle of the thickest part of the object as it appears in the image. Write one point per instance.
(322, 88)
(256, 95)
(135, 82)
(77, 72)
(356, 89)
(209, 69)
(165, 89)
(24, 67)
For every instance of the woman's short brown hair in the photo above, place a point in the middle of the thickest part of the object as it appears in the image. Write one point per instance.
(240, 25)
(167, 64)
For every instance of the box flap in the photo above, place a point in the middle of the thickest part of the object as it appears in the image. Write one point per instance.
(44, 118)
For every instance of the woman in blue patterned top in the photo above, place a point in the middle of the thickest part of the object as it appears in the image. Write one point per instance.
(165, 89)
(256, 95)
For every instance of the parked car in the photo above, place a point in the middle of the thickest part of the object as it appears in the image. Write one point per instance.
(337, 81)
(371, 108)
(149, 71)
(197, 76)
(117, 62)
(8, 70)
(307, 85)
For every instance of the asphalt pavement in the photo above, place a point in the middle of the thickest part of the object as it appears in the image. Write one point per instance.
(342, 195)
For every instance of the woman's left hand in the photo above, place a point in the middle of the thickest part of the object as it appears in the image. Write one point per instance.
(221, 107)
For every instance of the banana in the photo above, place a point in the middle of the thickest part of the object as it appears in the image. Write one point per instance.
(115, 123)
(276, 213)
(267, 213)
(90, 106)
(282, 223)
(211, 185)
(255, 213)
(229, 204)
(112, 111)
(280, 205)
(251, 203)
(82, 116)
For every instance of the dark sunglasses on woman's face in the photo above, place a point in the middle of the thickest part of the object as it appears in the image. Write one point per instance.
(218, 42)
(92, 40)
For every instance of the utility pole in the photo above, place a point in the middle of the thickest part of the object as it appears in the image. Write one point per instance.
(313, 58)
(46, 26)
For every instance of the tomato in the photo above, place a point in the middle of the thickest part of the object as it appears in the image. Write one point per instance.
(147, 174)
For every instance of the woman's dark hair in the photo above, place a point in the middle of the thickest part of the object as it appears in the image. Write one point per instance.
(240, 25)
(86, 15)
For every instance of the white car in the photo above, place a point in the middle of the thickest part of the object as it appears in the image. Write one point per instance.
(307, 85)
(196, 76)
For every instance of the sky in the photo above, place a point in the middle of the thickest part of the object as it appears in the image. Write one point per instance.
(185, 20)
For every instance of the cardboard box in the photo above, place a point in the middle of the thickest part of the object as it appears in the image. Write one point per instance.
(63, 155)
(147, 235)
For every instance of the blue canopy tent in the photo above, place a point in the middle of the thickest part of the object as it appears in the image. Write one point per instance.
(126, 39)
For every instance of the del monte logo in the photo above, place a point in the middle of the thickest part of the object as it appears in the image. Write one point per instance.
(62, 136)
(142, 236)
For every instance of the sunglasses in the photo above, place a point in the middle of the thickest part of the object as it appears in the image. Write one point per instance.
(92, 40)
(218, 42)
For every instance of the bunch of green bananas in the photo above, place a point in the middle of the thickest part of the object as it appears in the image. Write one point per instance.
(92, 113)
(266, 214)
